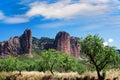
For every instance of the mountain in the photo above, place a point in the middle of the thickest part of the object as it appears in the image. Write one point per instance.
(18, 44)
(63, 42)
(26, 44)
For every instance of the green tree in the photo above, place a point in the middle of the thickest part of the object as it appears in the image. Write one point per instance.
(57, 61)
(49, 60)
(99, 56)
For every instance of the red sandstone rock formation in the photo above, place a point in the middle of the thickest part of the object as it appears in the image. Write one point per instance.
(62, 42)
(65, 43)
(75, 49)
(17, 45)
(26, 41)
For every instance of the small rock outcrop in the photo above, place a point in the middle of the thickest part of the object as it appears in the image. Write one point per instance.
(75, 48)
(69, 45)
(17, 45)
(62, 42)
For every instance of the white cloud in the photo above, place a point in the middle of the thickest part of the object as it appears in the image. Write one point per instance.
(62, 9)
(110, 40)
(105, 43)
(13, 19)
(66, 9)
(1, 15)
(95, 1)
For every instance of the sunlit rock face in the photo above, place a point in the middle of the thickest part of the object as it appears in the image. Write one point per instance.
(18, 44)
(62, 42)
(69, 45)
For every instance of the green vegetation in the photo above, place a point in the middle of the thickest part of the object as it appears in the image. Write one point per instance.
(50, 60)
(41, 43)
(98, 55)
(57, 61)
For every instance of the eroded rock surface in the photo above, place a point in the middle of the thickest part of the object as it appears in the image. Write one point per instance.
(62, 42)
(17, 45)
(75, 49)
(69, 45)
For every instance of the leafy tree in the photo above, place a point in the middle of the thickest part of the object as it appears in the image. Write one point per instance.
(50, 60)
(57, 61)
(99, 56)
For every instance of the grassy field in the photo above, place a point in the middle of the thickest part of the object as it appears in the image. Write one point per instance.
(34, 75)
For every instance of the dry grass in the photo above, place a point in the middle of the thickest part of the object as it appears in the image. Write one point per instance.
(113, 74)
(34, 75)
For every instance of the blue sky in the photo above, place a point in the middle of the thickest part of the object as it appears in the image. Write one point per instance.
(47, 17)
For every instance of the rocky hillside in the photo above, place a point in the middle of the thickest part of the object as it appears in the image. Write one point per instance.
(63, 42)
(18, 44)
(25, 43)
(42, 43)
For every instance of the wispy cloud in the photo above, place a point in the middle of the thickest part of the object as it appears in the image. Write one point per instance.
(90, 27)
(66, 9)
(15, 19)
(63, 9)
(58, 23)
(88, 10)
(1, 15)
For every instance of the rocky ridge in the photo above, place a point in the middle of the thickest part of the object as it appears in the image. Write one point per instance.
(25, 43)
(63, 42)
(18, 44)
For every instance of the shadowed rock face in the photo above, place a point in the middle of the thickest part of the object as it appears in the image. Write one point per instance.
(62, 42)
(0, 49)
(65, 43)
(17, 45)
(26, 41)
(75, 49)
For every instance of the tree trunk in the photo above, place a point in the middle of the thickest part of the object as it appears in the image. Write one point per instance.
(19, 73)
(99, 76)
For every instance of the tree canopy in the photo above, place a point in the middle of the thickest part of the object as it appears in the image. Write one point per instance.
(99, 56)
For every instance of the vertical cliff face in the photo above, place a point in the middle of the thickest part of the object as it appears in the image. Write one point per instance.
(17, 45)
(62, 42)
(26, 41)
(75, 49)
(0, 48)
(67, 44)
